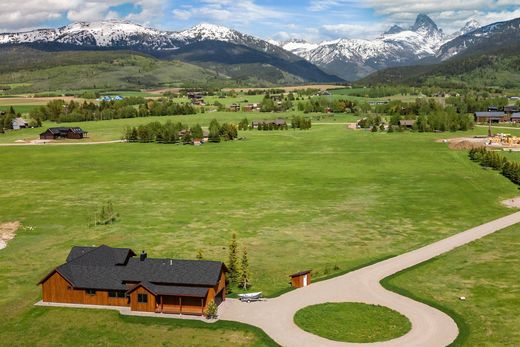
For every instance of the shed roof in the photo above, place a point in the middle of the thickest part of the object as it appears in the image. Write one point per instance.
(301, 273)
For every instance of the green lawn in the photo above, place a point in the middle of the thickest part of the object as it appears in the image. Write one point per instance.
(329, 199)
(352, 322)
(486, 273)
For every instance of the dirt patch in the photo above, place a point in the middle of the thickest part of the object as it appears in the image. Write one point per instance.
(7, 232)
(464, 143)
(512, 203)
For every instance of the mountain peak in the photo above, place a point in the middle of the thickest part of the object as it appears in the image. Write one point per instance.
(424, 22)
(395, 29)
(470, 26)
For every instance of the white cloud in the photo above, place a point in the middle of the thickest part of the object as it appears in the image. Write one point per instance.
(19, 15)
(227, 12)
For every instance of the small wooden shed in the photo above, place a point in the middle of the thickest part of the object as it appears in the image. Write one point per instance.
(301, 279)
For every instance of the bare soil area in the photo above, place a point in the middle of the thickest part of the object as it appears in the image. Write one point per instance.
(8, 232)
(512, 203)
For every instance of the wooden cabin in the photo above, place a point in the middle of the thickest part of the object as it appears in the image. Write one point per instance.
(117, 277)
(63, 133)
(407, 123)
(19, 123)
(301, 279)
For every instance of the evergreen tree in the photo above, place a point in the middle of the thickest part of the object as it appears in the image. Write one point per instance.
(234, 274)
(200, 255)
(245, 277)
(214, 131)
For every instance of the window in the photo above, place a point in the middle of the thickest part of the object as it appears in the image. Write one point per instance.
(91, 292)
(116, 294)
(142, 298)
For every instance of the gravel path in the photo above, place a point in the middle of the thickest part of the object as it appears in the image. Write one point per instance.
(430, 327)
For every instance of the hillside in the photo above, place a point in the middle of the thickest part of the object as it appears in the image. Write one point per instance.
(26, 69)
(202, 44)
(500, 68)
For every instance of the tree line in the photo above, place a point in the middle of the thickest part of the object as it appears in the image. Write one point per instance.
(132, 107)
(498, 162)
(177, 132)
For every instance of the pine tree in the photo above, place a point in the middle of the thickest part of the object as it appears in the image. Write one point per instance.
(200, 255)
(245, 276)
(233, 260)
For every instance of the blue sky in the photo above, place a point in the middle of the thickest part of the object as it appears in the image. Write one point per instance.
(313, 20)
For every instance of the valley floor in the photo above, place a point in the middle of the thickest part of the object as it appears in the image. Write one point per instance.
(329, 199)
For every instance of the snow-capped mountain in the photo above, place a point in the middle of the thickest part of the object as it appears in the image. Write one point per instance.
(488, 38)
(467, 28)
(198, 44)
(352, 59)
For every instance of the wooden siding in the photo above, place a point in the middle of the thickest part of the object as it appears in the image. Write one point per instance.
(150, 306)
(57, 289)
(297, 281)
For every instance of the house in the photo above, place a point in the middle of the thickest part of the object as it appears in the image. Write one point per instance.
(234, 107)
(515, 117)
(407, 123)
(19, 123)
(493, 117)
(64, 133)
(117, 277)
(251, 108)
(511, 109)
(492, 108)
(301, 279)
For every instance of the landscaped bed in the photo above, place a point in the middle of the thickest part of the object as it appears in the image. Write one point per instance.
(352, 322)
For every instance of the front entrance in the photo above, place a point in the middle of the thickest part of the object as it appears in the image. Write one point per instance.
(305, 281)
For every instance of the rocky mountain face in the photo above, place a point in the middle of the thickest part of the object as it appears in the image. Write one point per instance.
(423, 42)
(489, 38)
(198, 43)
(352, 59)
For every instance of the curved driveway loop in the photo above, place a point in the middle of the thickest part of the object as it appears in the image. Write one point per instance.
(430, 327)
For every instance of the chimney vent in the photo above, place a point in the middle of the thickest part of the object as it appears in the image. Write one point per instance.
(143, 255)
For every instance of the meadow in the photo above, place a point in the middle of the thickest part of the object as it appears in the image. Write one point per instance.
(328, 199)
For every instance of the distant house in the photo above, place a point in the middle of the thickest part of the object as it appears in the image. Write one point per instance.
(407, 123)
(511, 109)
(195, 95)
(110, 98)
(515, 117)
(251, 108)
(492, 108)
(63, 133)
(491, 116)
(19, 123)
(379, 102)
(234, 107)
(117, 277)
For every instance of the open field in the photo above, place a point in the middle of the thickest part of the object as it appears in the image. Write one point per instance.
(483, 272)
(113, 130)
(328, 199)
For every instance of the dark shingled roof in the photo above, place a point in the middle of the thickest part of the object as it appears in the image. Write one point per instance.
(489, 114)
(110, 268)
(197, 292)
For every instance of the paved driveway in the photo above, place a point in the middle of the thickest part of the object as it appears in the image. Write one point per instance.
(430, 327)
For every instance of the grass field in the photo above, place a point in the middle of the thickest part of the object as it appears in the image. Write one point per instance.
(485, 273)
(329, 199)
(352, 322)
(113, 130)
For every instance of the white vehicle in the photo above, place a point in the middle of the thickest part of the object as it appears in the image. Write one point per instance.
(250, 297)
